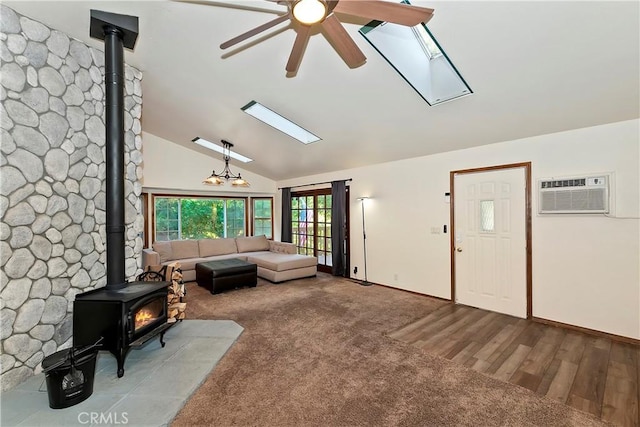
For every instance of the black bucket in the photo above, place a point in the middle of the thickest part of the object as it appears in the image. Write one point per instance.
(69, 376)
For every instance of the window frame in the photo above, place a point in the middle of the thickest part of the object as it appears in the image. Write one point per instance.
(315, 193)
(144, 199)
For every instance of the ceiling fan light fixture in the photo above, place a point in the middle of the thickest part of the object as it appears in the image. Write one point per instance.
(309, 12)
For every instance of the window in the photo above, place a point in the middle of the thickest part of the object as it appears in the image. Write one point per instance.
(167, 212)
(263, 217)
(198, 218)
(215, 147)
(486, 215)
(323, 237)
(302, 223)
(418, 57)
(234, 218)
(279, 122)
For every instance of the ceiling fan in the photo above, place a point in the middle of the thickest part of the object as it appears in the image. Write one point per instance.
(310, 13)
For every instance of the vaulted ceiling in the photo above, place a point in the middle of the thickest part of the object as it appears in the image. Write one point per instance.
(535, 68)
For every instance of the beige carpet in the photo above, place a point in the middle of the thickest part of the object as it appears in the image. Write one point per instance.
(314, 353)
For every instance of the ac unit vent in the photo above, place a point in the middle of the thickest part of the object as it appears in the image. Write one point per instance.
(575, 195)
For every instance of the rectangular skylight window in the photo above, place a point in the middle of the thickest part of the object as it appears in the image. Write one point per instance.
(419, 59)
(215, 147)
(430, 47)
(275, 120)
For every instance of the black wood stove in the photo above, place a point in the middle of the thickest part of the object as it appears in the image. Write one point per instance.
(125, 318)
(124, 314)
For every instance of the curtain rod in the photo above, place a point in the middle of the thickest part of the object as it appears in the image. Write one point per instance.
(317, 183)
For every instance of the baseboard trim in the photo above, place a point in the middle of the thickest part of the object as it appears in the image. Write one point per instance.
(412, 292)
(597, 333)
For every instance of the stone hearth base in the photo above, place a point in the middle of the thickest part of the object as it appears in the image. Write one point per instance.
(193, 348)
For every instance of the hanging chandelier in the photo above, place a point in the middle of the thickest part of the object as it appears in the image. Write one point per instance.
(226, 174)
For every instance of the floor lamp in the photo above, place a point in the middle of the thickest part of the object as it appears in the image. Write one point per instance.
(364, 242)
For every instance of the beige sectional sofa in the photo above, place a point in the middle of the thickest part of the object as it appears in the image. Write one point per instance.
(276, 261)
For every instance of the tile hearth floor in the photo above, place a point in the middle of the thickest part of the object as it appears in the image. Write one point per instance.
(156, 383)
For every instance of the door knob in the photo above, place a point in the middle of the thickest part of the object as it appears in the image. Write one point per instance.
(459, 249)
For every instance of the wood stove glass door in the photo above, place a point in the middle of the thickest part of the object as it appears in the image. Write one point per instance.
(148, 312)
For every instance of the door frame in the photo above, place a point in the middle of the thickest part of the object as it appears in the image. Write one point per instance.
(527, 195)
(327, 192)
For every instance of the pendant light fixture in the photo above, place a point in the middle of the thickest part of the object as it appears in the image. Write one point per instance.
(226, 174)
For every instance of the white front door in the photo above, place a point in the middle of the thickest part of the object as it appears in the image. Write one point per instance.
(490, 240)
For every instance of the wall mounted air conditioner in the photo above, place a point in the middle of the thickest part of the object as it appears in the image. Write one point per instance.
(579, 195)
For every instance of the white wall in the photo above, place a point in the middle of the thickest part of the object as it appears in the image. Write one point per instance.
(171, 166)
(586, 269)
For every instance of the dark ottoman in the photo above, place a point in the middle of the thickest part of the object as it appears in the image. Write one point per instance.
(222, 275)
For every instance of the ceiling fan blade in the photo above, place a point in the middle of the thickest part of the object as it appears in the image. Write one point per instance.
(380, 10)
(342, 42)
(304, 32)
(255, 31)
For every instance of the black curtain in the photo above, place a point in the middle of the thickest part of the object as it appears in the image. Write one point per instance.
(338, 225)
(285, 229)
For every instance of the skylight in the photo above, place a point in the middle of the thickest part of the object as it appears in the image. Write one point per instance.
(431, 73)
(430, 47)
(215, 147)
(276, 121)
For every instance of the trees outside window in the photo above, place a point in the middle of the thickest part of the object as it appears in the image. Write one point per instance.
(199, 217)
(235, 218)
(263, 217)
(167, 215)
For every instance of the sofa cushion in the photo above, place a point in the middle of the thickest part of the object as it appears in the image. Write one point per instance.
(190, 263)
(282, 247)
(164, 250)
(227, 256)
(249, 254)
(282, 262)
(213, 247)
(185, 249)
(281, 276)
(252, 244)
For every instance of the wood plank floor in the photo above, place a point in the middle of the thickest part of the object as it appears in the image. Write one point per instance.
(593, 374)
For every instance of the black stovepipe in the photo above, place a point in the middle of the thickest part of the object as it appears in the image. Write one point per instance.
(114, 149)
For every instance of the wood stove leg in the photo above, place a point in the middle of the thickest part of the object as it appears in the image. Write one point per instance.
(162, 343)
(120, 355)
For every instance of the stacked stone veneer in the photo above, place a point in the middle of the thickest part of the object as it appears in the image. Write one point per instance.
(52, 180)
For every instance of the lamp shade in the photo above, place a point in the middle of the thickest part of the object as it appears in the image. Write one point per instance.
(239, 182)
(213, 180)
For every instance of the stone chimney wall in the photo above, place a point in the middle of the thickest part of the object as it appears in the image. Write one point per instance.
(52, 187)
